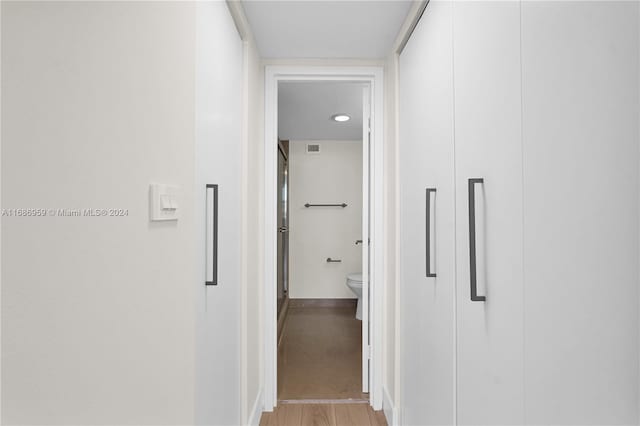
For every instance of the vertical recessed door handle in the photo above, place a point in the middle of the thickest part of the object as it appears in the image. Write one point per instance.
(429, 234)
(473, 279)
(211, 249)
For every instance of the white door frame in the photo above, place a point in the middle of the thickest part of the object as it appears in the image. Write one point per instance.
(373, 76)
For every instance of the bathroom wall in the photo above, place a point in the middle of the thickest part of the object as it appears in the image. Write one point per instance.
(332, 176)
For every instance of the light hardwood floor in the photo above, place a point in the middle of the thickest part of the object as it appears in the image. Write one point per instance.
(323, 415)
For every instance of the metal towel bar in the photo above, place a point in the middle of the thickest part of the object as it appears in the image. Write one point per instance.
(343, 205)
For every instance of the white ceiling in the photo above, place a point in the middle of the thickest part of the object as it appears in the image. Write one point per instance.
(305, 110)
(325, 29)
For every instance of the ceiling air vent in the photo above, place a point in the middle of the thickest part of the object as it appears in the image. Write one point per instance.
(313, 148)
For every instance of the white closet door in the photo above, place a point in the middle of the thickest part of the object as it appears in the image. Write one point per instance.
(580, 81)
(488, 146)
(426, 161)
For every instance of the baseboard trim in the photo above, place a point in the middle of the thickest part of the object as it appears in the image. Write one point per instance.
(256, 410)
(323, 303)
(388, 408)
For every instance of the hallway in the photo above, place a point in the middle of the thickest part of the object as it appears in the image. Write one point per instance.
(469, 171)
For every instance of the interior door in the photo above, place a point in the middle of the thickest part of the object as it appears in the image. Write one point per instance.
(488, 146)
(366, 241)
(427, 219)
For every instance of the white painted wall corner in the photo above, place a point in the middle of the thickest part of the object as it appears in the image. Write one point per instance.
(389, 408)
(256, 410)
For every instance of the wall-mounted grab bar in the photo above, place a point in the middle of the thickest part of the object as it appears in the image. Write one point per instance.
(330, 260)
(343, 205)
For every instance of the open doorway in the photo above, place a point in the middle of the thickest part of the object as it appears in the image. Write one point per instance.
(323, 234)
(346, 260)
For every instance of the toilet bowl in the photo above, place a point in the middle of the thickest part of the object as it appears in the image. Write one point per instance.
(354, 282)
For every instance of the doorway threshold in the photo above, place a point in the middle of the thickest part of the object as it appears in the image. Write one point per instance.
(325, 401)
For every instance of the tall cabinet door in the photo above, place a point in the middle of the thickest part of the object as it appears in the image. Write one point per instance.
(427, 220)
(580, 91)
(488, 148)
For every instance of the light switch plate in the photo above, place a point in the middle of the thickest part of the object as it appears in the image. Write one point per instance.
(164, 202)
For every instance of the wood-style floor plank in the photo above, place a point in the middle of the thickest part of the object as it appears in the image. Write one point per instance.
(265, 419)
(382, 420)
(376, 418)
(318, 415)
(289, 415)
(352, 414)
(323, 415)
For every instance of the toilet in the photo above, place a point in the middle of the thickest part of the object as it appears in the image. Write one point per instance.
(354, 282)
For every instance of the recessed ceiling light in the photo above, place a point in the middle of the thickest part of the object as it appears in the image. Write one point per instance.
(340, 117)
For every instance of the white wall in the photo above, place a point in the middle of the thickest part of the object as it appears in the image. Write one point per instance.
(252, 258)
(254, 235)
(391, 202)
(219, 134)
(98, 313)
(333, 176)
(0, 208)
